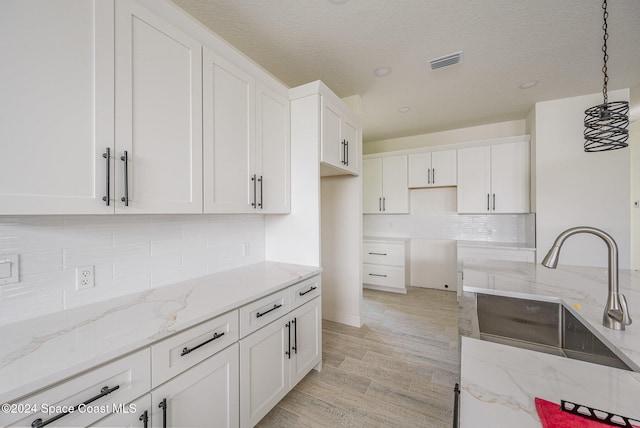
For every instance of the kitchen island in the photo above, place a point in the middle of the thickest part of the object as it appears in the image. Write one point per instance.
(499, 383)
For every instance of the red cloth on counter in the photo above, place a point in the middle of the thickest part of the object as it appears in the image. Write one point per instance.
(552, 416)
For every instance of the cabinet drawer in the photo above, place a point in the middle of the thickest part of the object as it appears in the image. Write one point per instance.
(304, 291)
(127, 378)
(174, 355)
(262, 312)
(390, 254)
(387, 276)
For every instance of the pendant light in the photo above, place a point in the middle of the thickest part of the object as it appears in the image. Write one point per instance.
(605, 125)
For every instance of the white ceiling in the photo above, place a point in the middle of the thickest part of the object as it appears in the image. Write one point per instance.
(505, 43)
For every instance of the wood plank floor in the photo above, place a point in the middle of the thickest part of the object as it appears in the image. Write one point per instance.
(397, 370)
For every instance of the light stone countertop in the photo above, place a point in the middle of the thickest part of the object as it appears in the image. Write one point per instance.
(38, 352)
(499, 383)
(497, 245)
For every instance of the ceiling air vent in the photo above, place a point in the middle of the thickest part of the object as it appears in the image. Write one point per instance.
(445, 61)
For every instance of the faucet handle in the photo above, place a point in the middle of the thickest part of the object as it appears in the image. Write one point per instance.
(626, 318)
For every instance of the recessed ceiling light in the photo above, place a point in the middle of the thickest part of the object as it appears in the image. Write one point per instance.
(404, 109)
(338, 1)
(382, 71)
(528, 84)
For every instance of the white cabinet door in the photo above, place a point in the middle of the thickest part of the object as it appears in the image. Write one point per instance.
(158, 114)
(307, 339)
(264, 370)
(273, 151)
(332, 145)
(433, 169)
(372, 186)
(229, 136)
(444, 168)
(510, 178)
(56, 118)
(395, 190)
(494, 179)
(206, 395)
(474, 179)
(419, 165)
(351, 138)
(132, 415)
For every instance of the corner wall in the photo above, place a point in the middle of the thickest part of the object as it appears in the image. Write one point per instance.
(574, 188)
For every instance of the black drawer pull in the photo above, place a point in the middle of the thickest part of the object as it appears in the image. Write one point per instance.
(375, 274)
(186, 350)
(313, 287)
(456, 405)
(38, 423)
(378, 254)
(144, 418)
(258, 315)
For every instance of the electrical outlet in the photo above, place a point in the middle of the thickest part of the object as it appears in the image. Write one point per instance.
(84, 277)
(246, 249)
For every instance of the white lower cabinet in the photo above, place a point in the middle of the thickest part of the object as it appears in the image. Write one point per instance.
(132, 415)
(274, 358)
(206, 395)
(92, 395)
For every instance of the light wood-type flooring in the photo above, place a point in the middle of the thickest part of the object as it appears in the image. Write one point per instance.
(397, 370)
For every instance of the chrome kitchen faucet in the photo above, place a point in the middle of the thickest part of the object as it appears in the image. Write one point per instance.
(616, 312)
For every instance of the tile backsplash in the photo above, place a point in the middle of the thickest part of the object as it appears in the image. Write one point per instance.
(129, 254)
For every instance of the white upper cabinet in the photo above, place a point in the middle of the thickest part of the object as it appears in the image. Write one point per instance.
(246, 141)
(494, 179)
(158, 115)
(341, 137)
(385, 188)
(433, 169)
(229, 135)
(56, 118)
(272, 157)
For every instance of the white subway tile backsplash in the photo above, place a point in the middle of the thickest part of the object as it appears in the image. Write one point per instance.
(129, 254)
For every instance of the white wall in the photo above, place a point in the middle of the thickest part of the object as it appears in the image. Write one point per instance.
(634, 146)
(130, 253)
(575, 188)
(476, 133)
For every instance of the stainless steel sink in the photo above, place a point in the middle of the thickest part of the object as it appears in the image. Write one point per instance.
(542, 326)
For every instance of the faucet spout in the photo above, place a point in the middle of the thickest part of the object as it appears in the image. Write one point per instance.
(616, 313)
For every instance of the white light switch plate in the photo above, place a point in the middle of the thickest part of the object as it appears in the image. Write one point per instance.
(9, 269)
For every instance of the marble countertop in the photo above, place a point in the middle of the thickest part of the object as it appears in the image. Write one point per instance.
(499, 383)
(385, 239)
(40, 351)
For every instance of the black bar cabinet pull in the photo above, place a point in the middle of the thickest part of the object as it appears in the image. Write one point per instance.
(38, 423)
(254, 203)
(313, 287)
(288, 351)
(186, 350)
(433, 176)
(107, 156)
(163, 406)
(145, 419)
(488, 209)
(428, 175)
(346, 152)
(125, 159)
(378, 254)
(276, 306)
(379, 204)
(376, 274)
(295, 335)
(456, 405)
(494, 201)
(384, 203)
(260, 180)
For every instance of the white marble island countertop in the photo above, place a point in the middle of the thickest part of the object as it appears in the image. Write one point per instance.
(499, 383)
(40, 351)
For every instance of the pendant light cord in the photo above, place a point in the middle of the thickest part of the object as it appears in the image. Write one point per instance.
(605, 15)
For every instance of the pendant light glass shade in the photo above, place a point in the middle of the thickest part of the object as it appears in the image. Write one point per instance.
(605, 125)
